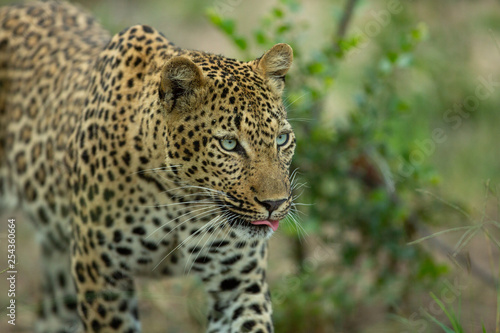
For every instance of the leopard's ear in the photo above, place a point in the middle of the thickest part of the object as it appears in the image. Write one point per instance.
(180, 83)
(274, 65)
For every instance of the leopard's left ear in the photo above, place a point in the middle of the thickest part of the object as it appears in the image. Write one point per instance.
(274, 65)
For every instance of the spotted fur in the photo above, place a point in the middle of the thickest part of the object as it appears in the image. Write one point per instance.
(135, 157)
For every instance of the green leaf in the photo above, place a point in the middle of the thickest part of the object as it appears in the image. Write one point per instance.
(421, 32)
(261, 37)
(215, 18)
(392, 56)
(240, 42)
(316, 67)
(440, 324)
(227, 25)
(450, 314)
(403, 106)
(282, 29)
(277, 12)
(328, 81)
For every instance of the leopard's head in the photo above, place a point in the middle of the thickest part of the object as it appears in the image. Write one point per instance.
(228, 136)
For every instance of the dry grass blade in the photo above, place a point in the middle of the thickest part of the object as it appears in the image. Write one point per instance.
(439, 233)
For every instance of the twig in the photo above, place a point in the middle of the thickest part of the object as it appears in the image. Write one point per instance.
(344, 23)
(317, 107)
(414, 225)
(461, 259)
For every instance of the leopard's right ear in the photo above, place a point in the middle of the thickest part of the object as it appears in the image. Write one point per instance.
(180, 83)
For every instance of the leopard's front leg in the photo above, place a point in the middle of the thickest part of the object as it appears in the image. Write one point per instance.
(105, 289)
(239, 298)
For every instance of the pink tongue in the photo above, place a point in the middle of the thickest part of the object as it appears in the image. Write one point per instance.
(272, 223)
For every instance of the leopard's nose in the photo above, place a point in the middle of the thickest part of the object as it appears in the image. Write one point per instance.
(271, 205)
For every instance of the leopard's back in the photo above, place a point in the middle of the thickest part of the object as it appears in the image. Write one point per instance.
(41, 94)
(47, 50)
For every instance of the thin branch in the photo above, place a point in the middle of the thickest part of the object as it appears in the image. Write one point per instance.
(461, 259)
(344, 23)
(414, 225)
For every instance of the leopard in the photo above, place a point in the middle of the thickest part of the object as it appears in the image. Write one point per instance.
(133, 157)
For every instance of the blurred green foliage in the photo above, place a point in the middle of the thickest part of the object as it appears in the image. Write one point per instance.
(362, 200)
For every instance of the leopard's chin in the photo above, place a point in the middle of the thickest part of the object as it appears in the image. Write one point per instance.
(253, 232)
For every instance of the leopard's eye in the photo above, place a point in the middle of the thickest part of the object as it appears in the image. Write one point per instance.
(228, 144)
(282, 139)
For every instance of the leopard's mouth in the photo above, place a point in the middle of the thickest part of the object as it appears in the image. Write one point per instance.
(273, 224)
(251, 220)
(267, 227)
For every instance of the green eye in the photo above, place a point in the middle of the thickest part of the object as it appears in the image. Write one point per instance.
(282, 139)
(228, 144)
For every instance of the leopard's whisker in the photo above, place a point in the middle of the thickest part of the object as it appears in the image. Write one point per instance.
(296, 210)
(300, 229)
(294, 174)
(227, 233)
(205, 189)
(164, 168)
(199, 216)
(298, 185)
(300, 119)
(214, 235)
(208, 209)
(302, 204)
(287, 103)
(186, 240)
(197, 202)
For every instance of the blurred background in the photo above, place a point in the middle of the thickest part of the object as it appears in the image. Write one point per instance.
(396, 108)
